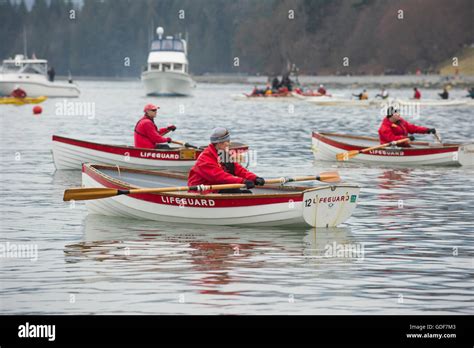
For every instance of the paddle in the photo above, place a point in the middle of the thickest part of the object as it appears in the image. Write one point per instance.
(180, 142)
(184, 144)
(87, 193)
(437, 138)
(344, 156)
(324, 177)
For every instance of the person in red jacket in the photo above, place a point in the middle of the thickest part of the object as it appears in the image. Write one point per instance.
(18, 92)
(213, 166)
(147, 135)
(394, 128)
(417, 94)
(322, 90)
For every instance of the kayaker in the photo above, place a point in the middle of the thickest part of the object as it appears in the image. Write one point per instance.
(445, 94)
(362, 96)
(394, 128)
(18, 92)
(383, 94)
(147, 135)
(322, 90)
(216, 166)
(417, 94)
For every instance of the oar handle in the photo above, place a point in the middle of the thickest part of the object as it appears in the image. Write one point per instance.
(384, 145)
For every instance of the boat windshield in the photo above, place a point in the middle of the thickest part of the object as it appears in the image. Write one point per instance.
(167, 45)
(24, 68)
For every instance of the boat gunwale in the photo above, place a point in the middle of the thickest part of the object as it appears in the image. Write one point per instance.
(293, 190)
(128, 147)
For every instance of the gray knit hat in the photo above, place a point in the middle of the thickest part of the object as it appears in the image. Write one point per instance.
(219, 135)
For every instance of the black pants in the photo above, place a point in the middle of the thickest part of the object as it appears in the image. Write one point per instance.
(162, 146)
(234, 191)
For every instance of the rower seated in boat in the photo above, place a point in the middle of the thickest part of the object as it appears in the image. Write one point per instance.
(362, 96)
(147, 135)
(18, 93)
(216, 165)
(394, 128)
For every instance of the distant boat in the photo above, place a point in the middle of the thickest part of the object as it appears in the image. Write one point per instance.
(31, 76)
(167, 67)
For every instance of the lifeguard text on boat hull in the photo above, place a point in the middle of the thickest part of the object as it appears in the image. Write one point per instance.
(325, 206)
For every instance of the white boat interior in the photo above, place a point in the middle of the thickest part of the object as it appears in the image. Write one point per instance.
(167, 178)
(369, 141)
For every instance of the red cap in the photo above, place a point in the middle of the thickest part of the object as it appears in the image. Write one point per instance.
(150, 107)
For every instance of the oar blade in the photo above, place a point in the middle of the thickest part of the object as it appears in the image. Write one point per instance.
(344, 156)
(83, 194)
(329, 177)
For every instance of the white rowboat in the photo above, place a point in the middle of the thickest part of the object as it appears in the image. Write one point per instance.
(70, 153)
(324, 206)
(325, 146)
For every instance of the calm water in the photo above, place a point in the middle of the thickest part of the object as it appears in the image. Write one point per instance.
(413, 227)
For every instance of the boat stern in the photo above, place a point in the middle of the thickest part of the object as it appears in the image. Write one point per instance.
(329, 206)
(466, 155)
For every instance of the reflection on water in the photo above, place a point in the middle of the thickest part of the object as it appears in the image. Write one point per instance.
(407, 249)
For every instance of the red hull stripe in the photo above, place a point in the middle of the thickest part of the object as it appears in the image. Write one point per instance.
(150, 154)
(404, 152)
(214, 202)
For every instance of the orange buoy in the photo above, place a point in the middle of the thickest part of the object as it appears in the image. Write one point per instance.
(37, 110)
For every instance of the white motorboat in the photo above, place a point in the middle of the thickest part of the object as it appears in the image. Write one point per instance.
(167, 67)
(31, 76)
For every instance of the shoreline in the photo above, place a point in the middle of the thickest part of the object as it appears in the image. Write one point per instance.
(331, 81)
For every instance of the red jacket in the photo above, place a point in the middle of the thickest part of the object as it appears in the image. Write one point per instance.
(321, 90)
(147, 134)
(18, 93)
(389, 131)
(209, 171)
(417, 94)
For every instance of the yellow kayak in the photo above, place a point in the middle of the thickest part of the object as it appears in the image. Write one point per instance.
(22, 101)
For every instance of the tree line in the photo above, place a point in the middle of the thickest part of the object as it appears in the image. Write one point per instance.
(112, 37)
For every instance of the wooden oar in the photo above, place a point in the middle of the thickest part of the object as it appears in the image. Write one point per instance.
(180, 142)
(184, 144)
(344, 156)
(437, 138)
(87, 193)
(324, 177)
